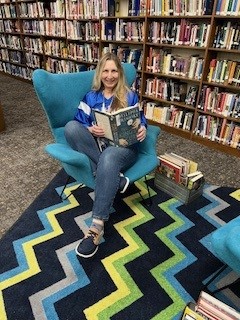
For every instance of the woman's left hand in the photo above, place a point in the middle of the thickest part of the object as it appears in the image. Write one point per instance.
(142, 132)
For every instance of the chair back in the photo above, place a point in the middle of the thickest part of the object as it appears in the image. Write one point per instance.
(60, 94)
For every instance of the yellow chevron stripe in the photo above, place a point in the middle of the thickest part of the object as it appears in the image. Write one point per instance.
(29, 251)
(236, 194)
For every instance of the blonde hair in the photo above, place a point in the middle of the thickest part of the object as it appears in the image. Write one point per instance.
(121, 89)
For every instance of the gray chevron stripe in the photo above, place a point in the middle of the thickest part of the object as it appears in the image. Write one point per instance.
(217, 208)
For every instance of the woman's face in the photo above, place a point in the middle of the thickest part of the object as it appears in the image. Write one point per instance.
(110, 75)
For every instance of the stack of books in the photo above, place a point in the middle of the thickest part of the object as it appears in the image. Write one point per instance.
(182, 170)
(208, 307)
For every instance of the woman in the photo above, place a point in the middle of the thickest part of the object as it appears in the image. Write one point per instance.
(82, 135)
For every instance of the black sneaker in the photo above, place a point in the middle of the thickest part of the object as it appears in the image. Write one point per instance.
(124, 183)
(89, 244)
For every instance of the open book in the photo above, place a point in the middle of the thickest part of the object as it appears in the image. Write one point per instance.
(121, 126)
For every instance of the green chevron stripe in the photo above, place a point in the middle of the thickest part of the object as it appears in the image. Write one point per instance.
(158, 272)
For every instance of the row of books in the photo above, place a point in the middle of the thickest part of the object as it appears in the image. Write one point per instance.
(15, 56)
(224, 72)
(32, 44)
(8, 11)
(88, 31)
(164, 61)
(11, 41)
(137, 7)
(79, 9)
(171, 90)
(16, 70)
(217, 129)
(83, 52)
(227, 36)
(180, 169)
(32, 60)
(89, 9)
(55, 9)
(169, 115)
(126, 54)
(10, 26)
(219, 102)
(208, 307)
(63, 66)
(228, 7)
(121, 30)
(177, 7)
(183, 32)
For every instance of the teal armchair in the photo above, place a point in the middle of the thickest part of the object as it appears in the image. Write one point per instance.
(59, 95)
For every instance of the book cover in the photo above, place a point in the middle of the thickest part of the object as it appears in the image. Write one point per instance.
(195, 182)
(169, 169)
(121, 126)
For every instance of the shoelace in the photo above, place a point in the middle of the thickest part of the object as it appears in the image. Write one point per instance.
(92, 234)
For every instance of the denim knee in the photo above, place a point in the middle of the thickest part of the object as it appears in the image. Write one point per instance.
(71, 127)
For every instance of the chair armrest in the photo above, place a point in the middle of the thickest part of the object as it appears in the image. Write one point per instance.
(66, 154)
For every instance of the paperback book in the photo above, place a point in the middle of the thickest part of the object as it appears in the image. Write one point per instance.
(121, 126)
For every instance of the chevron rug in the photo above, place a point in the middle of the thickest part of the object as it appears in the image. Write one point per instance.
(152, 260)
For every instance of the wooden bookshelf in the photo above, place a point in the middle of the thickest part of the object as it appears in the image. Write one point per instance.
(173, 49)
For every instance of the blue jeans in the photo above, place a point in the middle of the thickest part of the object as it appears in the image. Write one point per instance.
(107, 165)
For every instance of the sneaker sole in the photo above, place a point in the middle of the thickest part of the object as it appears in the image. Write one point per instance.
(86, 255)
(126, 185)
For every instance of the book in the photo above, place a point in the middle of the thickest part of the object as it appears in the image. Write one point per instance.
(121, 126)
(169, 169)
(190, 314)
(195, 182)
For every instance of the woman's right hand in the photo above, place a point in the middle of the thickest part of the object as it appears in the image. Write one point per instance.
(96, 131)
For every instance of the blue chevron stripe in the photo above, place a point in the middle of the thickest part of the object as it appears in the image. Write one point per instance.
(189, 257)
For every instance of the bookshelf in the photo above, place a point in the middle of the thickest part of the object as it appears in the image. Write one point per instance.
(186, 54)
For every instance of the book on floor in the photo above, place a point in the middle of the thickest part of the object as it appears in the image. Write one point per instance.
(207, 307)
(121, 126)
(212, 308)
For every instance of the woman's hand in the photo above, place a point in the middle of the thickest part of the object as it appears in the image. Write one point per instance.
(96, 131)
(142, 132)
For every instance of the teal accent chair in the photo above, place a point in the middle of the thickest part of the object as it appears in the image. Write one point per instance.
(226, 246)
(59, 95)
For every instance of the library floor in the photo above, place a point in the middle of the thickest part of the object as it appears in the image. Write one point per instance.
(26, 169)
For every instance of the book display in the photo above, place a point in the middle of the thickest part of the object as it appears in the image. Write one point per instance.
(186, 54)
(179, 177)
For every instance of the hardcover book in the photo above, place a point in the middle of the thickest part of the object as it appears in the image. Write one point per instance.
(121, 126)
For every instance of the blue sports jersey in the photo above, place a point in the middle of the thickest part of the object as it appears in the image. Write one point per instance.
(96, 100)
